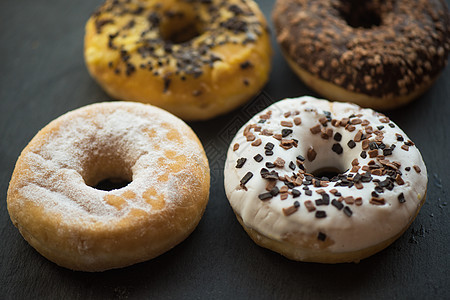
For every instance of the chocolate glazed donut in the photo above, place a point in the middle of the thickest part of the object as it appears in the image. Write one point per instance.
(379, 54)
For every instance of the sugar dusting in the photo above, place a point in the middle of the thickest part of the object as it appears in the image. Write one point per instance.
(135, 133)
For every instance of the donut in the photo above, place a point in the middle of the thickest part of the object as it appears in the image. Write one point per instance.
(109, 185)
(322, 181)
(197, 59)
(377, 54)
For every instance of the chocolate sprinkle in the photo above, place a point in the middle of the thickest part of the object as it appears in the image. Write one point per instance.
(292, 166)
(246, 178)
(279, 162)
(377, 201)
(351, 144)
(258, 157)
(321, 236)
(286, 132)
(240, 162)
(401, 198)
(265, 196)
(387, 151)
(311, 154)
(274, 191)
(348, 212)
(416, 168)
(320, 214)
(269, 146)
(245, 65)
(256, 143)
(100, 23)
(337, 137)
(270, 165)
(373, 146)
(268, 152)
(337, 148)
(322, 202)
(268, 175)
(315, 129)
(290, 210)
(337, 204)
(167, 81)
(373, 153)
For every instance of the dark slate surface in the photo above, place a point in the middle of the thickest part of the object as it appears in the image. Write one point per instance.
(43, 76)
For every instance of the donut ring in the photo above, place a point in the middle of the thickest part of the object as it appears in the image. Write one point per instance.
(275, 182)
(196, 59)
(378, 54)
(53, 201)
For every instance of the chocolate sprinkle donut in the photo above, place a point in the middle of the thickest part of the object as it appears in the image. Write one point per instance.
(384, 50)
(194, 58)
(322, 200)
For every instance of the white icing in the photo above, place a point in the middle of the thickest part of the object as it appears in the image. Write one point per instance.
(56, 162)
(369, 224)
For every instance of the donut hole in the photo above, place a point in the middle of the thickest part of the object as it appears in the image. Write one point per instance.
(326, 164)
(365, 14)
(107, 171)
(110, 184)
(327, 173)
(180, 27)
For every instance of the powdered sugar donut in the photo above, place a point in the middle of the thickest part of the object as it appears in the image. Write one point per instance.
(324, 182)
(54, 200)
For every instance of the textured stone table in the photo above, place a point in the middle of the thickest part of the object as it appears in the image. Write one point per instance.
(43, 76)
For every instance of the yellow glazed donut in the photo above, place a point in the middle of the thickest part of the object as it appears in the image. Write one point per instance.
(324, 182)
(196, 59)
(54, 201)
(378, 54)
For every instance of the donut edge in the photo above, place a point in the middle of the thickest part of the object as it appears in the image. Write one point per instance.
(302, 254)
(64, 254)
(334, 92)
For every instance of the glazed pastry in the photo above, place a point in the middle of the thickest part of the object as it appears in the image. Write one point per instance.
(196, 59)
(378, 54)
(323, 181)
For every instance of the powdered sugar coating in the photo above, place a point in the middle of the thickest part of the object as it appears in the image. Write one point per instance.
(139, 137)
(348, 225)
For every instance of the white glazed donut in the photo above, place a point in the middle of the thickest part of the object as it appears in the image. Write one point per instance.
(54, 201)
(274, 184)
